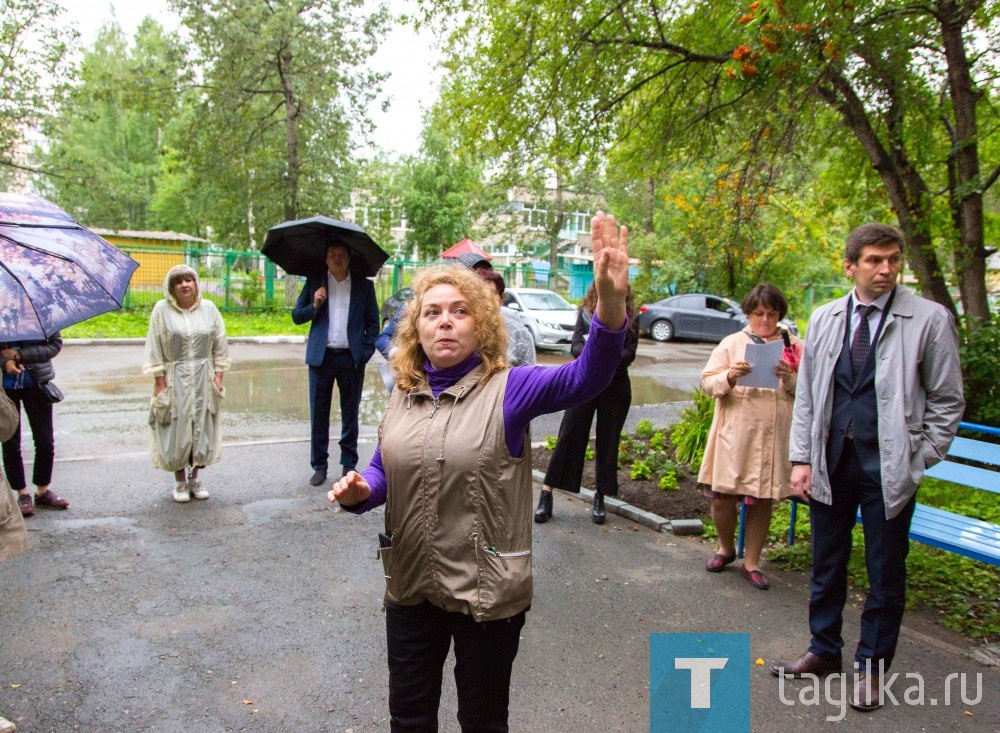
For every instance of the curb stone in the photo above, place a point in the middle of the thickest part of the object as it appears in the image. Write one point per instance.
(634, 514)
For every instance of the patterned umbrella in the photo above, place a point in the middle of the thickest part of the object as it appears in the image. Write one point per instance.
(299, 247)
(53, 272)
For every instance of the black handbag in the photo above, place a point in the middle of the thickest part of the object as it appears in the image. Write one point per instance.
(51, 394)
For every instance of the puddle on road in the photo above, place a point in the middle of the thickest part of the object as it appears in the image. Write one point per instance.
(265, 400)
(273, 391)
(648, 391)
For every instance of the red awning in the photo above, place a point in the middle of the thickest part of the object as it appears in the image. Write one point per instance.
(463, 247)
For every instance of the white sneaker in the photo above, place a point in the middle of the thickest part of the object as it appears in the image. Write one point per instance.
(181, 494)
(197, 490)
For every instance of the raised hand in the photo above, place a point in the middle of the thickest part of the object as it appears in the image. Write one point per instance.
(350, 490)
(610, 245)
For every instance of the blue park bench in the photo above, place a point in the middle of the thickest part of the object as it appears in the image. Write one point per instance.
(937, 527)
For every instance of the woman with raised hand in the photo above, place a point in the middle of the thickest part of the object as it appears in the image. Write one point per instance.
(453, 469)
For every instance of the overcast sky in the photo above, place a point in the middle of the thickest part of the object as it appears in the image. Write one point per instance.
(408, 56)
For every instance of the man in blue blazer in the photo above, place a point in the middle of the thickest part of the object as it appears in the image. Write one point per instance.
(344, 316)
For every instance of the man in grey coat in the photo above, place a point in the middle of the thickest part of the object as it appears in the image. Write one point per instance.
(878, 401)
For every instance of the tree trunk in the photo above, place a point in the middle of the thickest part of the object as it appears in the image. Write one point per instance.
(292, 163)
(965, 182)
(555, 221)
(907, 191)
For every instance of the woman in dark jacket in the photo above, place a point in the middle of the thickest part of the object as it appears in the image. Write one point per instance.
(566, 463)
(27, 365)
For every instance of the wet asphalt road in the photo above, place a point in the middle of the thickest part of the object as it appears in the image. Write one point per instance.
(259, 609)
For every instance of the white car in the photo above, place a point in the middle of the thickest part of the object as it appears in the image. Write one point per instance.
(549, 316)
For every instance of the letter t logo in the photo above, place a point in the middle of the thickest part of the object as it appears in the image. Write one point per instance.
(701, 677)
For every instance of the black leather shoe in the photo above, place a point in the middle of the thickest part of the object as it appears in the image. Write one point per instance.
(318, 478)
(543, 512)
(808, 663)
(598, 514)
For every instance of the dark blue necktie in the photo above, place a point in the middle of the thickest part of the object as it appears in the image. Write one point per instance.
(862, 339)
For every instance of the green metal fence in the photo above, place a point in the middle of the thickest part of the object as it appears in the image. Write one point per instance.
(237, 280)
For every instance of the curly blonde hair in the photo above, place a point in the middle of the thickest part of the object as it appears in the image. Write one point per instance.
(408, 357)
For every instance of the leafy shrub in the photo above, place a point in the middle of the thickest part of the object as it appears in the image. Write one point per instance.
(978, 352)
(550, 442)
(251, 290)
(645, 428)
(668, 480)
(589, 454)
(628, 450)
(690, 434)
(640, 471)
(658, 441)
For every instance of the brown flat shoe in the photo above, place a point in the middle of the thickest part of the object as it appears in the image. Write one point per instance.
(51, 500)
(808, 663)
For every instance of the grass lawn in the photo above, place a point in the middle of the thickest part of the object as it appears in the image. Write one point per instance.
(134, 323)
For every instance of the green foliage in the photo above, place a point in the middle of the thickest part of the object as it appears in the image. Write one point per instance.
(645, 428)
(589, 454)
(628, 449)
(658, 440)
(34, 50)
(251, 290)
(979, 351)
(792, 162)
(444, 193)
(668, 481)
(690, 435)
(964, 500)
(640, 470)
(550, 442)
(106, 141)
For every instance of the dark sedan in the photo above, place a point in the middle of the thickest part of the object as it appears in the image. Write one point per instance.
(697, 317)
(392, 303)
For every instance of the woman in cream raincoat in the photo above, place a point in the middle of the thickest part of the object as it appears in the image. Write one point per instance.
(186, 354)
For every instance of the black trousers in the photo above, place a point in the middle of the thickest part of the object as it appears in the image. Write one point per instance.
(565, 469)
(886, 547)
(337, 367)
(418, 638)
(39, 414)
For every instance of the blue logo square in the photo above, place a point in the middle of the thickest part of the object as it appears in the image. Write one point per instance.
(699, 683)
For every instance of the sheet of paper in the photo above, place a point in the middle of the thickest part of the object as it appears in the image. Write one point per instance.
(762, 358)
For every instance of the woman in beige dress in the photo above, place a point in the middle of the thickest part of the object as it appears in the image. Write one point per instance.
(186, 354)
(746, 459)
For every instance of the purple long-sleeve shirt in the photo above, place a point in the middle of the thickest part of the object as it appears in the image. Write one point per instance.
(531, 391)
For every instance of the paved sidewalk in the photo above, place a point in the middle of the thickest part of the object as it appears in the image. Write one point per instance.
(260, 609)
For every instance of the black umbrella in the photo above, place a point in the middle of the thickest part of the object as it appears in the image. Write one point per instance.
(299, 247)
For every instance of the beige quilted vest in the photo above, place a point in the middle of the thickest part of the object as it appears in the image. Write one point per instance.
(458, 505)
